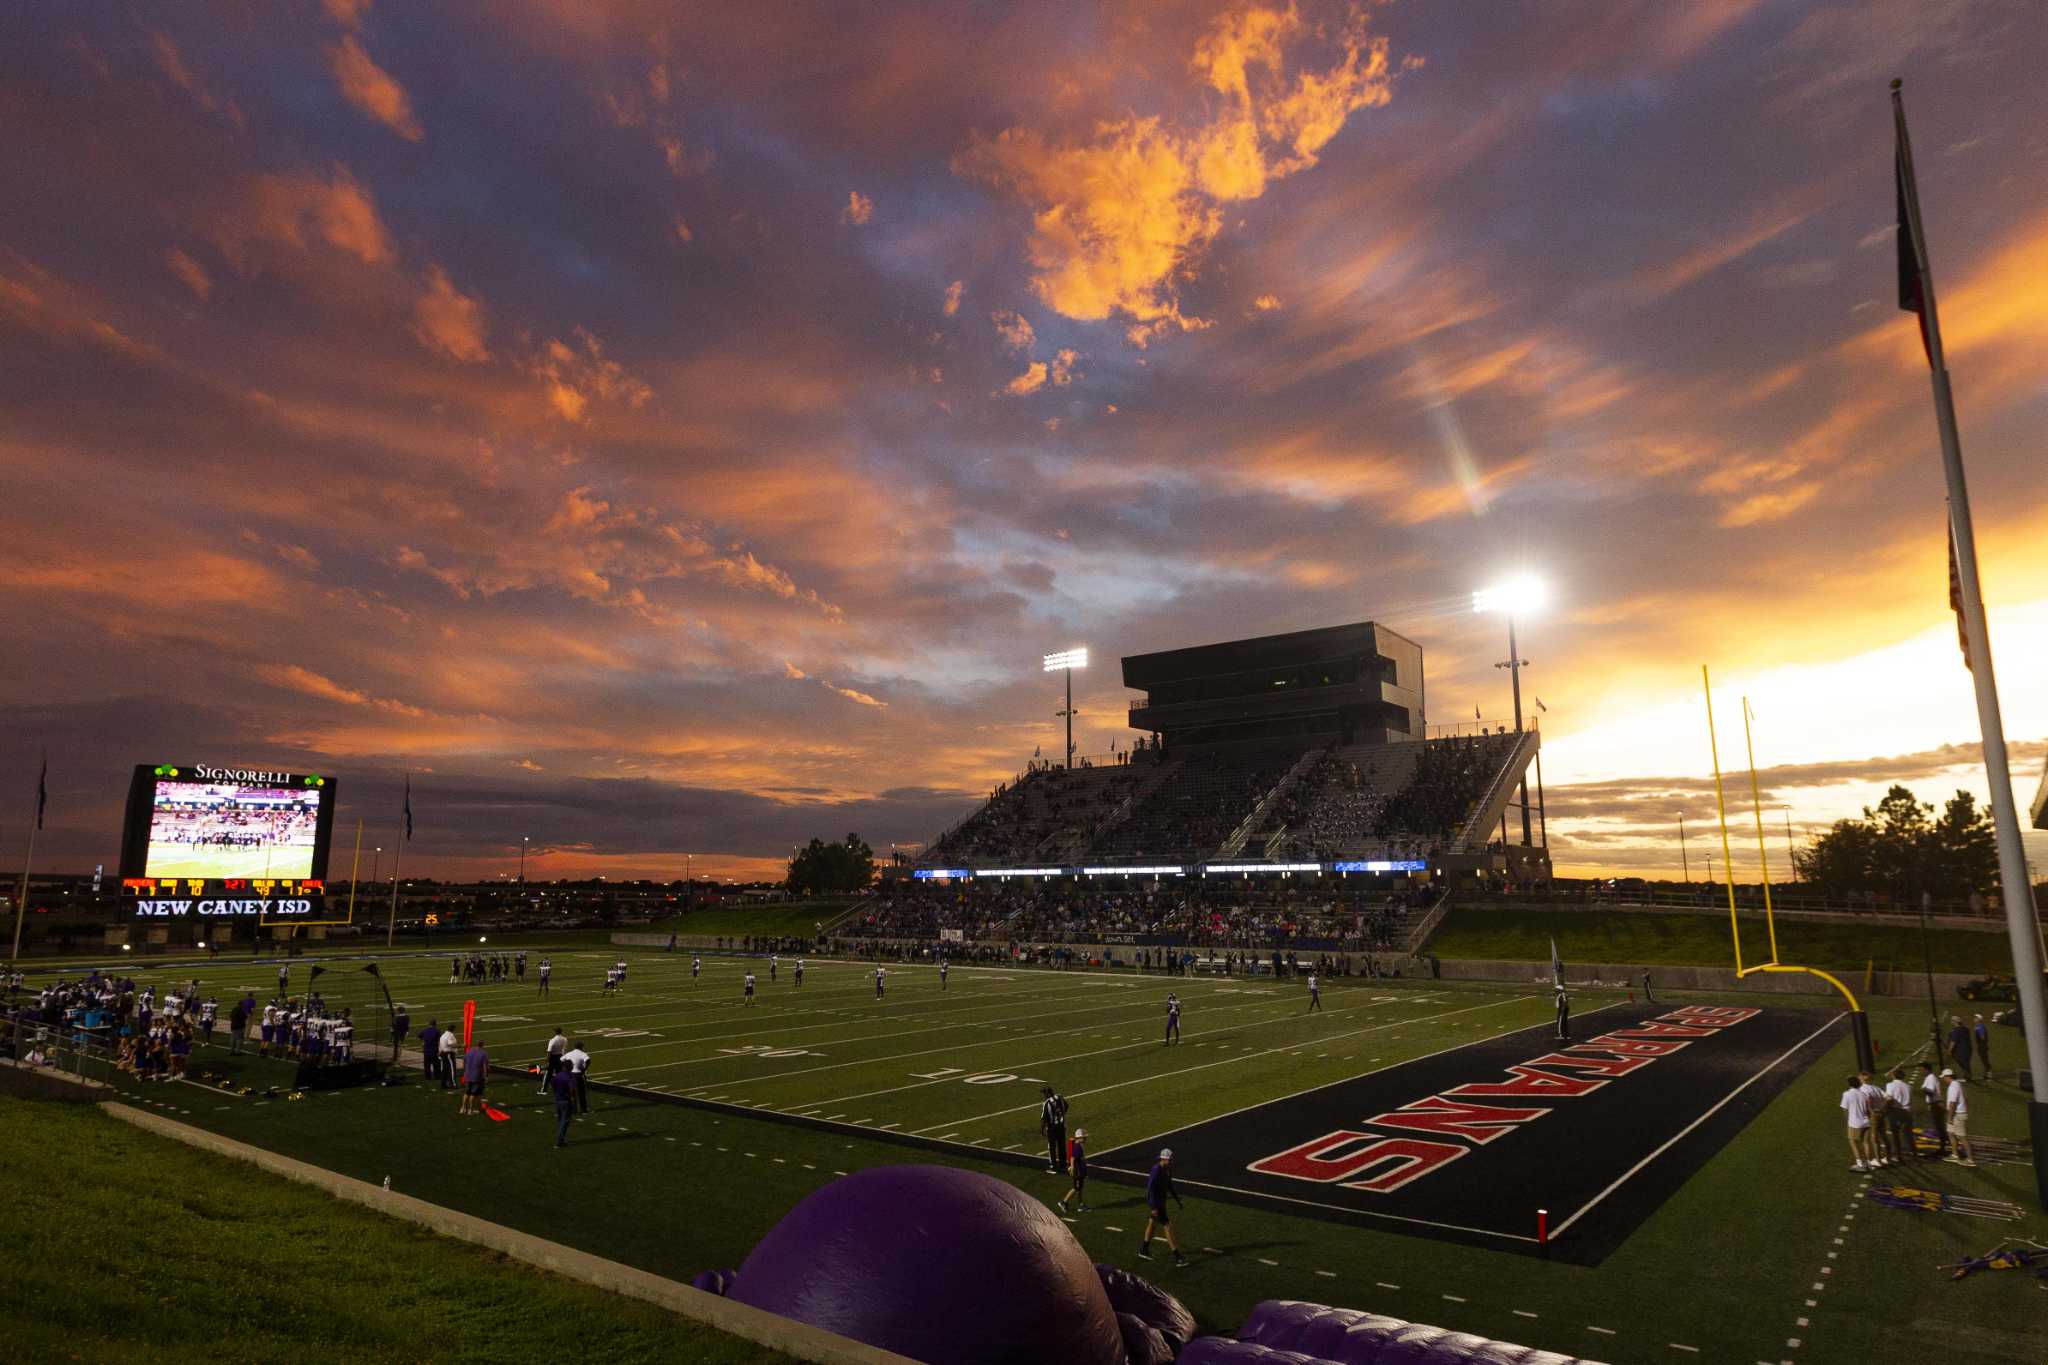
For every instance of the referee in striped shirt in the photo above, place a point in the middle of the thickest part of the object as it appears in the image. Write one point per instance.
(1052, 1121)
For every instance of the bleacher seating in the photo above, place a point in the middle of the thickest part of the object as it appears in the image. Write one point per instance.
(1191, 813)
(1404, 799)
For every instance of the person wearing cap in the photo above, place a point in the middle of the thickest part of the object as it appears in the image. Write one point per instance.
(1079, 1194)
(1052, 1122)
(1959, 1042)
(1958, 1109)
(1158, 1189)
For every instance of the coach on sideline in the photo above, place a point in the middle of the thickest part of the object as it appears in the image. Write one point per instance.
(577, 1063)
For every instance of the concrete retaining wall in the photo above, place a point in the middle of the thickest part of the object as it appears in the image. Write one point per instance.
(47, 1083)
(741, 1320)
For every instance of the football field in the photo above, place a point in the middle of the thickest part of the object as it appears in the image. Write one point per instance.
(1335, 1111)
(964, 1062)
(1706, 1168)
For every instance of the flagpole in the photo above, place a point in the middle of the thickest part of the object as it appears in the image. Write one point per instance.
(391, 928)
(2012, 863)
(21, 899)
(397, 860)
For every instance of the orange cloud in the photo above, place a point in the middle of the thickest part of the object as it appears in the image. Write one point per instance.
(1031, 381)
(1120, 216)
(851, 695)
(172, 63)
(1266, 303)
(190, 272)
(1763, 507)
(347, 12)
(1013, 329)
(1062, 372)
(448, 321)
(952, 304)
(304, 680)
(370, 88)
(859, 208)
(297, 210)
(572, 375)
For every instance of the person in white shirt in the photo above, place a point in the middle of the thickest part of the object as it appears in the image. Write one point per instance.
(1880, 1119)
(749, 988)
(1958, 1109)
(557, 1045)
(578, 1062)
(1856, 1104)
(879, 974)
(1898, 1117)
(1937, 1116)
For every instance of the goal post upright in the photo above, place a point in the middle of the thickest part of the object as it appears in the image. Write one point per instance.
(1859, 1021)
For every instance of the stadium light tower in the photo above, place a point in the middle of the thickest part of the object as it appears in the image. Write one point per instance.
(1066, 661)
(1517, 596)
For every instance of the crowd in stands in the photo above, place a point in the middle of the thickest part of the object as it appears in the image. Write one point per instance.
(1391, 800)
(1350, 915)
(1331, 810)
(1197, 807)
(1451, 775)
(1023, 814)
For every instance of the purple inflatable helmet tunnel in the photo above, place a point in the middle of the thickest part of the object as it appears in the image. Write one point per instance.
(945, 1265)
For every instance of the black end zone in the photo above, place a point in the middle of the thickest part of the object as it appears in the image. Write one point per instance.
(1468, 1144)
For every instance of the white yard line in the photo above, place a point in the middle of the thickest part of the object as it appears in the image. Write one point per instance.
(1242, 1057)
(1632, 1171)
(1073, 1056)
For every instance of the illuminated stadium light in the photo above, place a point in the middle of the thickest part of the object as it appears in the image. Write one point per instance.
(1021, 872)
(1262, 867)
(1163, 870)
(1382, 865)
(1517, 596)
(1071, 658)
(942, 874)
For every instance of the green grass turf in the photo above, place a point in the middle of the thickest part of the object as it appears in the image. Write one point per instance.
(123, 1245)
(1725, 1266)
(1593, 936)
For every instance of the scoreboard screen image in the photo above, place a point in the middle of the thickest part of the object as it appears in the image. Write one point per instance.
(221, 824)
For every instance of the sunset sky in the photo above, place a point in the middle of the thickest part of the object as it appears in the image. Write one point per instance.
(682, 427)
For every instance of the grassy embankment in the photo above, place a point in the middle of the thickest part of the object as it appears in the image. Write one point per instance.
(128, 1246)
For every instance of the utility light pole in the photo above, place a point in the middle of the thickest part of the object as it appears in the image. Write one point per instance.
(1525, 593)
(1683, 862)
(1066, 661)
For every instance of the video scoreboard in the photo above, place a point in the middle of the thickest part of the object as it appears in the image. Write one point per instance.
(212, 842)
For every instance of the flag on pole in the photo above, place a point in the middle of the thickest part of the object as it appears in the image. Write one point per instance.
(1475, 710)
(1556, 967)
(1955, 599)
(1912, 251)
(408, 806)
(42, 790)
(1540, 706)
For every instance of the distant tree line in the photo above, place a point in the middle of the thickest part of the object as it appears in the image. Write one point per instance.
(1901, 848)
(822, 869)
